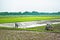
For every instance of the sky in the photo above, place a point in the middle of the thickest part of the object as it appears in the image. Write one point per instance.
(29, 5)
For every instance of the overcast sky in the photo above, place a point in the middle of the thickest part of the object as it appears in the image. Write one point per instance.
(30, 5)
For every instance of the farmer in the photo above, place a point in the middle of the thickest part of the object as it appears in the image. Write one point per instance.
(16, 25)
(49, 27)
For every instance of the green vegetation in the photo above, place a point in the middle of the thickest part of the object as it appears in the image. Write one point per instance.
(29, 13)
(6, 17)
(56, 27)
(8, 28)
(40, 29)
(26, 18)
(33, 33)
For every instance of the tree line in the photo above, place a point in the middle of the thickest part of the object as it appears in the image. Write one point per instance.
(28, 13)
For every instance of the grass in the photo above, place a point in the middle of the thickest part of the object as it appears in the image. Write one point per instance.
(26, 18)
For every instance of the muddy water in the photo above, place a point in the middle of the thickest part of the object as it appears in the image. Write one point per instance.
(29, 24)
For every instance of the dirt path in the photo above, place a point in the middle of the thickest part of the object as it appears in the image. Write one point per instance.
(27, 35)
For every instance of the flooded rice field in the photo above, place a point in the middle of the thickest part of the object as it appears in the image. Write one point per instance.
(30, 24)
